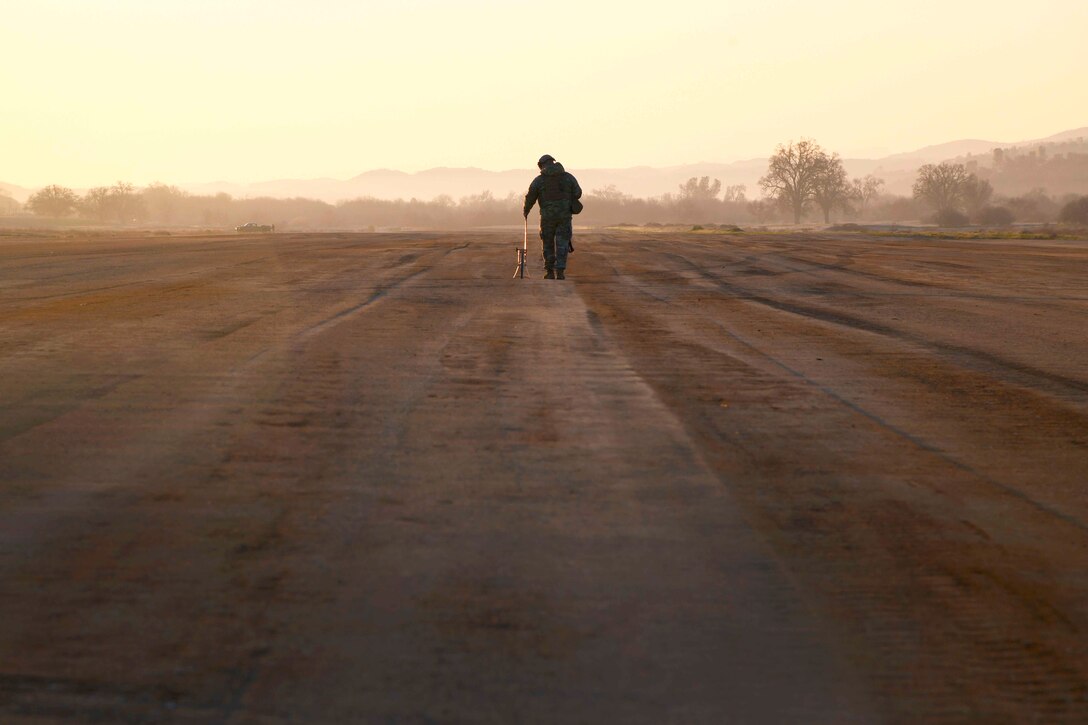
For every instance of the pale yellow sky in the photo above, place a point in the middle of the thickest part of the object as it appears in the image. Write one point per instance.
(246, 90)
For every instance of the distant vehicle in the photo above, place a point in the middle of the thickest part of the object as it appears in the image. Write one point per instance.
(255, 227)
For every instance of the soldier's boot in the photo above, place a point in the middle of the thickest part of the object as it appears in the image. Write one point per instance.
(549, 273)
(559, 274)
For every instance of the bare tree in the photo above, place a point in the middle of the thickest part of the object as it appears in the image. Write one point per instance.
(700, 189)
(831, 188)
(865, 190)
(53, 201)
(119, 203)
(942, 186)
(128, 205)
(162, 202)
(95, 204)
(610, 194)
(698, 199)
(92, 205)
(791, 175)
(736, 193)
(976, 194)
(762, 210)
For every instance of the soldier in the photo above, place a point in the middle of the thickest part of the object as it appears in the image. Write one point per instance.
(558, 193)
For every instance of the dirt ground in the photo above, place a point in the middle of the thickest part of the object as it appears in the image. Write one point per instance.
(714, 478)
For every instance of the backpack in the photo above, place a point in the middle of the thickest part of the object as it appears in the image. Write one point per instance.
(553, 190)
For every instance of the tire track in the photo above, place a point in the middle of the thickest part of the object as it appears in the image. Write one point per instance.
(958, 597)
(969, 358)
(913, 439)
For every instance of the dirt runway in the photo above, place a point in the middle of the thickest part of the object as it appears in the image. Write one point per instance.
(710, 478)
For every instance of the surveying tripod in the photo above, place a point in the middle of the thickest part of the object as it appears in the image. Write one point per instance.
(519, 272)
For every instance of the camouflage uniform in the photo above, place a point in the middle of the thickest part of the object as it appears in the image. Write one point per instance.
(554, 189)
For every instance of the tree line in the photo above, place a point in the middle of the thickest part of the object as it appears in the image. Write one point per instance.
(803, 181)
(802, 177)
(1061, 165)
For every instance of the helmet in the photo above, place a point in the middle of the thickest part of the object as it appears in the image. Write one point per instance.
(544, 161)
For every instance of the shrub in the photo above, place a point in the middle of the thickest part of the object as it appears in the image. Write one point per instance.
(1075, 212)
(1035, 206)
(995, 216)
(951, 218)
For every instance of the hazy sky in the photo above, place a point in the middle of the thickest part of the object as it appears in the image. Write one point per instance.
(92, 92)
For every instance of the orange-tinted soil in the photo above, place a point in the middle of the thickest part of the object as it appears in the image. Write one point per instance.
(708, 478)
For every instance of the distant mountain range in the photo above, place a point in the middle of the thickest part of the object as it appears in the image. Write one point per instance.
(16, 192)
(898, 171)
